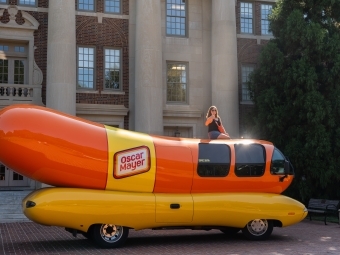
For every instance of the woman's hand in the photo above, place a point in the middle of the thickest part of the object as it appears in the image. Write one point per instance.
(209, 120)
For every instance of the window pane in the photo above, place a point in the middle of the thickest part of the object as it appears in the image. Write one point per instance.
(176, 82)
(250, 160)
(265, 12)
(86, 68)
(19, 72)
(213, 160)
(246, 70)
(176, 17)
(112, 6)
(86, 5)
(112, 69)
(246, 19)
(3, 71)
(19, 49)
(27, 2)
(278, 163)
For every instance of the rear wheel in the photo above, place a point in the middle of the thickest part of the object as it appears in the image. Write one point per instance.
(258, 229)
(109, 235)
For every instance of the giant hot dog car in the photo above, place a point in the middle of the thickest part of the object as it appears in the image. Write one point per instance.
(108, 180)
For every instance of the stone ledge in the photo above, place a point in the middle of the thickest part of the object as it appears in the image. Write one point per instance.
(101, 109)
(182, 113)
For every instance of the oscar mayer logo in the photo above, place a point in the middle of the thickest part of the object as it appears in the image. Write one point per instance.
(131, 162)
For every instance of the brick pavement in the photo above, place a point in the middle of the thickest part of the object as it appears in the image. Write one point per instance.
(307, 238)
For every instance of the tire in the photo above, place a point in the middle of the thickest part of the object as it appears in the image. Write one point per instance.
(230, 231)
(109, 235)
(258, 229)
(87, 235)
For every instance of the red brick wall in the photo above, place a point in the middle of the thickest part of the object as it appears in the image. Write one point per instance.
(109, 33)
(112, 32)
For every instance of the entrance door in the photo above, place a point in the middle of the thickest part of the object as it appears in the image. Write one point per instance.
(9, 178)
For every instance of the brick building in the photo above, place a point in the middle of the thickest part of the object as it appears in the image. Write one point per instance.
(153, 66)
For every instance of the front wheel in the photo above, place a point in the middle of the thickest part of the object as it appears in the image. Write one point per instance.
(258, 229)
(109, 235)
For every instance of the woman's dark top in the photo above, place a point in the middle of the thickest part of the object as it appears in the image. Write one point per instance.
(213, 127)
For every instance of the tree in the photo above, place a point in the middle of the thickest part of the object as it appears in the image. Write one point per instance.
(296, 93)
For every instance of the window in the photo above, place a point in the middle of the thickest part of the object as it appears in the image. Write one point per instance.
(112, 69)
(85, 68)
(19, 49)
(3, 1)
(27, 2)
(278, 163)
(176, 17)
(246, 13)
(3, 71)
(177, 82)
(13, 61)
(265, 12)
(213, 160)
(112, 6)
(245, 71)
(250, 160)
(19, 72)
(86, 5)
(3, 48)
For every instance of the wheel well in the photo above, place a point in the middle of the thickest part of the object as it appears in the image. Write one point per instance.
(277, 223)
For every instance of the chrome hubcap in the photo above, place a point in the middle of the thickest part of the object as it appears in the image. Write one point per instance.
(257, 227)
(111, 233)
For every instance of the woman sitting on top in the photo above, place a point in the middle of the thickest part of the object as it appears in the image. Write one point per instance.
(213, 121)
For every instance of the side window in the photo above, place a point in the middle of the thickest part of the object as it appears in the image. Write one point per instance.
(112, 6)
(246, 18)
(28, 2)
(85, 68)
(213, 160)
(250, 160)
(246, 70)
(176, 18)
(13, 64)
(113, 69)
(176, 91)
(266, 10)
(278, 163)
(86, 5)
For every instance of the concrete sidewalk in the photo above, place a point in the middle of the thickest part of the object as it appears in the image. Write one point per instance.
(307, 237)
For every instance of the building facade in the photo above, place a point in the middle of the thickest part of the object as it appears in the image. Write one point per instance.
(153, 66)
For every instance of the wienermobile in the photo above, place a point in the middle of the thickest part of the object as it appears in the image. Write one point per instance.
(108, 180)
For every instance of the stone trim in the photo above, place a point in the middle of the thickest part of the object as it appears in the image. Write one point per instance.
(102, 109)
(182, 113)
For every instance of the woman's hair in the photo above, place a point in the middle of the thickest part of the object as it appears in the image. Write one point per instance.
(209, 111)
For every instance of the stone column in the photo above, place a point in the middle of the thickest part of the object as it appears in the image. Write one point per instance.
(148, 68)
(61, 56)
(224, 64)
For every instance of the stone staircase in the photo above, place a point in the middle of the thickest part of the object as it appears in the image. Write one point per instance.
(10, 205)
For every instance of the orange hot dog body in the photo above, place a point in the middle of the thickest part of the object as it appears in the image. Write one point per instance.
(54, 148)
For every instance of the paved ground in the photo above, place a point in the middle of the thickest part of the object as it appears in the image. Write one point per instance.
(308, 238)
